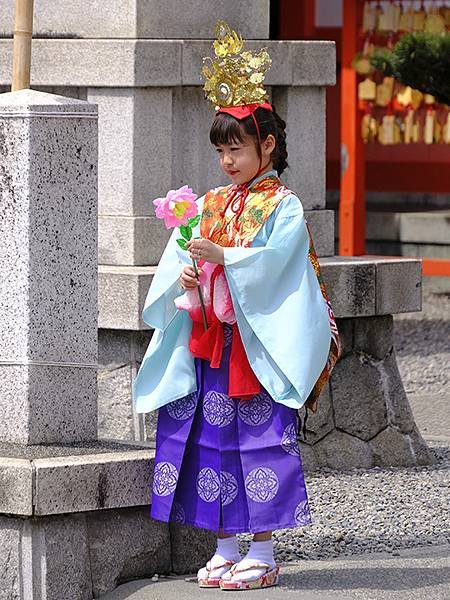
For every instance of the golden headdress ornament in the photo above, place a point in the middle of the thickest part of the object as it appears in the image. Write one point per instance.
(234, 78)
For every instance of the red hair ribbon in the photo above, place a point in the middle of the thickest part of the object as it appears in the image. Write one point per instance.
(245, 110)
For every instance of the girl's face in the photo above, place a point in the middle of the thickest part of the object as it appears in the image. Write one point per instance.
(240, 160)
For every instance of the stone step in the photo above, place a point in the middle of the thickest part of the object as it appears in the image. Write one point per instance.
(358, 286)
(56, 479)
(422, 234)
(411, 227)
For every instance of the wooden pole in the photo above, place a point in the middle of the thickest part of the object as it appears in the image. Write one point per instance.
(352, 210)
(23, 31)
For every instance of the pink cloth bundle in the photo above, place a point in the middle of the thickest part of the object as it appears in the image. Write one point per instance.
(221, 301)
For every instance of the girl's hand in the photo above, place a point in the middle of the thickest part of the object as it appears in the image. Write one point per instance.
(188, 279)
(206, 250)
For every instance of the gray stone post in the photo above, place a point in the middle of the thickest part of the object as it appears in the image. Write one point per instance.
(48, 268)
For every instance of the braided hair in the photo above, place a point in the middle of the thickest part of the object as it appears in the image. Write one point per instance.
(228, 130)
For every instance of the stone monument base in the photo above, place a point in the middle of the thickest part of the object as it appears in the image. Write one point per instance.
(364, 418)
(74, 522)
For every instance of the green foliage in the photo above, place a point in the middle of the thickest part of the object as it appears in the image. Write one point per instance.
(420, 60)
(194, 221)
(182, 243)
(186, 231)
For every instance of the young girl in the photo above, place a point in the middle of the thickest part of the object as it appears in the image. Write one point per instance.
(227, 457)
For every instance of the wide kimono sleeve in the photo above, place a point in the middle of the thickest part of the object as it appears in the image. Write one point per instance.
(277, 298)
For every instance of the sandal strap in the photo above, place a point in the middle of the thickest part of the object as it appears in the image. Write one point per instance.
(254, 565)
(227, 563)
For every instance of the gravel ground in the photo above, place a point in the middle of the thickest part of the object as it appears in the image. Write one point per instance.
(381, 509)
(386, 508)
(422, 342)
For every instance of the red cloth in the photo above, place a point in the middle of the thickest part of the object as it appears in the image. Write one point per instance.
(245, 110)
(242, 382)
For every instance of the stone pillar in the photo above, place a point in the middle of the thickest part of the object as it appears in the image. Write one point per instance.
(303, 108)
(48, 241)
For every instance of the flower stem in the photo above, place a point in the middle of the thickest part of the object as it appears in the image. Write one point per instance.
(200, 295)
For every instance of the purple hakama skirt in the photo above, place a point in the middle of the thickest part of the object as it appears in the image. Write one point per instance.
(225, 463)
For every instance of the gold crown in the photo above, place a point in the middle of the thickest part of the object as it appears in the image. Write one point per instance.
(234, 78)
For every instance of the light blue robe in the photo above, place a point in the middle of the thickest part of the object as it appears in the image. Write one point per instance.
(280, 311)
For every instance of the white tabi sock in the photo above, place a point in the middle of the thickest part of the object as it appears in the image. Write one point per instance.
(228, 549)
(261, 552)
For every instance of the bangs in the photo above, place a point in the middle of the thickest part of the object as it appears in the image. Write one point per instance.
(226, 130)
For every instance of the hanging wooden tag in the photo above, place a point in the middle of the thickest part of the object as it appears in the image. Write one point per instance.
(367, 89)
(397, 133)
(416, 98)
(379, 11)
(385, 91)
(373, 126)
(365, 128)
(445, 13)
(389, 19)
(405, 96)
(385, 19)
(408, 127)
(437, 134)
(369, 17)
(368, 48)
(369, 128)
(362, 65)
(416, 131)
(386, 130)
(429, 126)
(419, 20)
(406, 20)
(409, 96)
(434, 23)
(446, 130)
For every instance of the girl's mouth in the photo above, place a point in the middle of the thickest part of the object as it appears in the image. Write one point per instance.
(233, 172)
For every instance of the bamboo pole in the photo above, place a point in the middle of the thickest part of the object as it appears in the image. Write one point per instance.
(23, 30)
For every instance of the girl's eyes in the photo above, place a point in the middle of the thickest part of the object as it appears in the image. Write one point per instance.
(233, 149)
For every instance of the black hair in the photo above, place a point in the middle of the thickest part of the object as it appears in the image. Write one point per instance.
(228, 130)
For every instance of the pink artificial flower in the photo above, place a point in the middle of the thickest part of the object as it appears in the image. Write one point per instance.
(177, 207)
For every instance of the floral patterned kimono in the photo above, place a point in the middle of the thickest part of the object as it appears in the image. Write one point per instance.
(226, 450)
